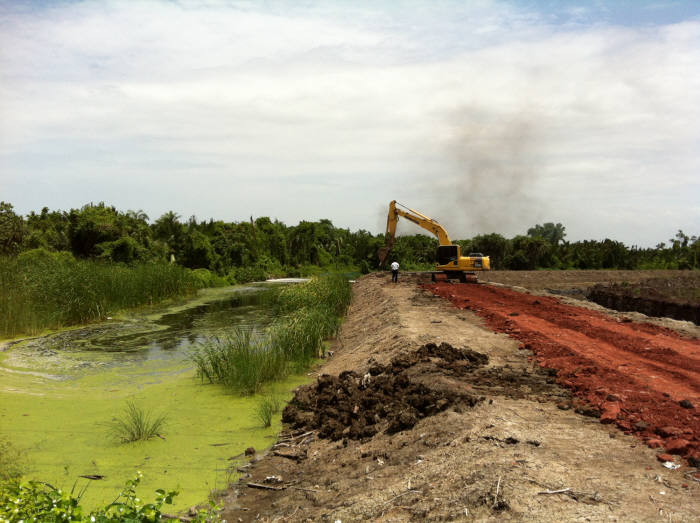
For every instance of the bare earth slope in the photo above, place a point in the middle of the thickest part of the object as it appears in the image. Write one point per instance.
(444, 419)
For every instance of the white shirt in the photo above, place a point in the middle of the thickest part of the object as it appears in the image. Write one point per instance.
(395, 266)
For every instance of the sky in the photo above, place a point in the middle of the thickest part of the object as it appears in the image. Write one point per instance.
(487, 115)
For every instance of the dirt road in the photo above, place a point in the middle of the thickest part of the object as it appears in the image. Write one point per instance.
(427, 411)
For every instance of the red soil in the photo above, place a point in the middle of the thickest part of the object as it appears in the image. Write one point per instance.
(636, 374)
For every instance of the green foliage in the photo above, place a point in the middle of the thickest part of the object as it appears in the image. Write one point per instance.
(136, 424)
(267, 407)
(493, 245)
(549, 232)
(11, 230)
(206, 278)
(256, 249)
(39, 501)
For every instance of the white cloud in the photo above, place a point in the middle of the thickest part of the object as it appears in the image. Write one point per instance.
(482, 116)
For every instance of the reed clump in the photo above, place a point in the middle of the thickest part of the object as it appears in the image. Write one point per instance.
(266, 409)
(43, 290)
(309, 314)
(136, 424)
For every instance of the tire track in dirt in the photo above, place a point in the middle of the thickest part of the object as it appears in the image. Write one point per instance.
(644, 378)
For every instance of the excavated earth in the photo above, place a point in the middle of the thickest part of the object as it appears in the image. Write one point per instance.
(507, 401)
(677, 298)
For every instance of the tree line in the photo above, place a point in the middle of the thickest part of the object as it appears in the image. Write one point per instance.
(261, 247)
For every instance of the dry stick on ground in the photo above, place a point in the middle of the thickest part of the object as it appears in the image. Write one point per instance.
(291, 438)
(561, 491)
(403, 494)
(498, 486)
(264, 487)
(306, 489)
(293, 457)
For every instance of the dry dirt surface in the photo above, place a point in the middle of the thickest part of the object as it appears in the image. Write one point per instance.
(434, 409)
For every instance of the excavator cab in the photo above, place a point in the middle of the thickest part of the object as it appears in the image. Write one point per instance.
(448, 254)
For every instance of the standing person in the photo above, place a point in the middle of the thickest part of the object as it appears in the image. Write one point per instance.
(395, 272)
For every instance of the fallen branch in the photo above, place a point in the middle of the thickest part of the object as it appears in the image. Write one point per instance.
(306, 489)
(264, 487)
(291, 438)
(562, 491)
(403, 494)
(294, 457)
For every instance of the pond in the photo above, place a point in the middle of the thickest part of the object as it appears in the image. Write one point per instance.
(59, 392)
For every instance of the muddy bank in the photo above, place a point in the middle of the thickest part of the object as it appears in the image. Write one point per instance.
(488, 433)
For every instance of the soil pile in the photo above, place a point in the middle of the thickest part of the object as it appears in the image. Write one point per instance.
(643, 378)
(385, 399)
(677, 298)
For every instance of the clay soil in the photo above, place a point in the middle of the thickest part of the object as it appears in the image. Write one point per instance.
(488, 402)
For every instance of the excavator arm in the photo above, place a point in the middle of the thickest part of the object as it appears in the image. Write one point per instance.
(414, 216)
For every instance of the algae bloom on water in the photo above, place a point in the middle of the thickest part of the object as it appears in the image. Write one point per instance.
(57, 392)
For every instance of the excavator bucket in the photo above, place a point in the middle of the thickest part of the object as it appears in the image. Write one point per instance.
(383, 254)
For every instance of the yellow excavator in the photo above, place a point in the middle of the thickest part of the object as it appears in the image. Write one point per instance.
(450, 261)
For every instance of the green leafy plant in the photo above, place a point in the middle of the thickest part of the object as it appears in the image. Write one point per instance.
(136, 424)
(40, 501)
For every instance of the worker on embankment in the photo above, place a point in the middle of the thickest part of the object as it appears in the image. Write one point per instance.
(395, 271)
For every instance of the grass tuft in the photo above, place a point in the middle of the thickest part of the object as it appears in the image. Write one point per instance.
(136, 424)
(266, 408)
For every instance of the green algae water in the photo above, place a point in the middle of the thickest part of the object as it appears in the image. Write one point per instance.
(58, 393)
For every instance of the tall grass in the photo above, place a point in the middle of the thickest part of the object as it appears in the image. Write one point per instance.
(239, 361)
(136, 424)
(40, 289)
(309, 313)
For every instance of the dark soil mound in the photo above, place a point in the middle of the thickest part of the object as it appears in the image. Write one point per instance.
(677, 298)
(385, 399)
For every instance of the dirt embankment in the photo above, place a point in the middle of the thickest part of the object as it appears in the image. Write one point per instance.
(677, 298)
(426, 412)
